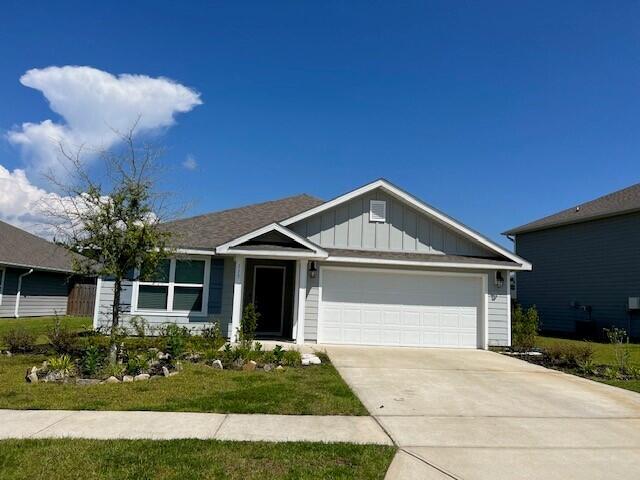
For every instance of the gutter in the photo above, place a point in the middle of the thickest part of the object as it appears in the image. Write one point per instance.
(20, 277)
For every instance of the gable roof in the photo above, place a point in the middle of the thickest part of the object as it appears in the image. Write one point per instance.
(418, 205)
(616, 203)
(23, 249)
(214, 229)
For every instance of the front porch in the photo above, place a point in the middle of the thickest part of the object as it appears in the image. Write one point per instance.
(278, 289)
(272, 267)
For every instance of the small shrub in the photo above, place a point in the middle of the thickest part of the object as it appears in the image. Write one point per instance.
(175, 339)
(581, 355)
(19, 340)
(248, 325)
(139, 325)
(61, 338)
(278, 353)
(137, 364)
(524, 328)
(213, 336)
(618, 338)
(62, 364)
(114, 370)
(257, 346)
(92, 360)
(291, 358)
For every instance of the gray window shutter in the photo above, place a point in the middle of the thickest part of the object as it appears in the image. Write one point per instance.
(215, 286)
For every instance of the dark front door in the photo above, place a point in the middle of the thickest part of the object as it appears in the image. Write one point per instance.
(268, 298)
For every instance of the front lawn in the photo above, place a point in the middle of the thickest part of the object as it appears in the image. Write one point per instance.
(603, 357)
(313, 390)
(189, 459)
(39, 326)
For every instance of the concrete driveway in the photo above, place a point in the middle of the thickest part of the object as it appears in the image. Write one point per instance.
(476, 415)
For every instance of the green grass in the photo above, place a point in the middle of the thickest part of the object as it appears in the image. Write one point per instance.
(603, 355)
(189, 459)
(603, 352)
(314, 390)
(39, 326)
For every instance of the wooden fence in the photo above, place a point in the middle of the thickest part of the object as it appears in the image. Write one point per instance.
(81, 300)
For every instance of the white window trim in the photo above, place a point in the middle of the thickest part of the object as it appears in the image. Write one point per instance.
(171, 287)
(2, 275)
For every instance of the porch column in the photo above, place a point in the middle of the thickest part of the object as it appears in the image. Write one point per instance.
(238, 289)
(302, 297)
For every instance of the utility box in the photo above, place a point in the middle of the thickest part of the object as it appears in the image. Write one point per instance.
(634, 303)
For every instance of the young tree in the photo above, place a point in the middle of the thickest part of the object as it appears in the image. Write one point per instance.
(114, 221)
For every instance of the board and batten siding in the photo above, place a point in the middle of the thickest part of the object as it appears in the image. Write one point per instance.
(594, 263)
(219, 306)
(42, 293)
(405, 229)
(498, 305)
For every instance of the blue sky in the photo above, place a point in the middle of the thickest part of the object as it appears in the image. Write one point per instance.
(495, 112)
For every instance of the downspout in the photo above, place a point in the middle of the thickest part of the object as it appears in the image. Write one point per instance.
(20, 277)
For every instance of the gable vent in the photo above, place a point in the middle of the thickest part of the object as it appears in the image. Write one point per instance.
(377, 211)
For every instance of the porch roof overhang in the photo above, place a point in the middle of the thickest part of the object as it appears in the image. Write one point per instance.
(300, 247)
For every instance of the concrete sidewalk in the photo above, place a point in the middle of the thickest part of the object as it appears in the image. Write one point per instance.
(176, 425)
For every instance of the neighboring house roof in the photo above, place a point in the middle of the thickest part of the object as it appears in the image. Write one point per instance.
(23, 249)
(213, 229)
(616, 203)
(418, 258)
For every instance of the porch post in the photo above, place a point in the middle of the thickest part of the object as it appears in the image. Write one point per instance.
(302, 297)
(238, 288)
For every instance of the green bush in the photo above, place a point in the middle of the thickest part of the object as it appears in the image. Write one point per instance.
(61, 337)
(62, 364)
(175, 339)
(618, 338)
(291, 358)
(524, 328)
(139, 325)
(248, 325)
(114, 370)
(213, 336)
(278, 353)
(137, 364)
(19, 340)
(92, 360)
(571, 356)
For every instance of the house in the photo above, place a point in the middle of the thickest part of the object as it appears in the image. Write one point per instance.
(375, 266)
(35, 275)
(587, 265)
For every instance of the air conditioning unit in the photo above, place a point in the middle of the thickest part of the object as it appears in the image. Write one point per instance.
(634, 303)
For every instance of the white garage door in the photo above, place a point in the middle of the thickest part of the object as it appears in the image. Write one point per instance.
(390, 308)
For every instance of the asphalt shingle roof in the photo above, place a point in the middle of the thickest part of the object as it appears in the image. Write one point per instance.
(616, 203)
(23, 249)
(214, 229)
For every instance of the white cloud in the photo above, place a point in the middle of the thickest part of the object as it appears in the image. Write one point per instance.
(190, 163)
(21, 203)
(92, 104)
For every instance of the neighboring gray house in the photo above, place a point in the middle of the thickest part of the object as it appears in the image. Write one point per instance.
(35, 275)
(587, 265)
(375, 266)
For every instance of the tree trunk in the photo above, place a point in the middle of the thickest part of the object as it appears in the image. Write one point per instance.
(115, 321)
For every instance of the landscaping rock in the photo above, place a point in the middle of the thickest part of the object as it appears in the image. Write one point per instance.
(141, 377)
(54, 376)
(279, 368)
(268, 367)
(34, 369)
(165, 371)
(315, 361)
(163, 356)
(310, 359)
(305, 362)
(173, 374)
(217, 364)
(127, 379)
(249, 366)
(179, 366)
(8, 353)
(156, 377)
(32, 378)
(87, 381)
(194, 357)
(112, 379)
(238, 363)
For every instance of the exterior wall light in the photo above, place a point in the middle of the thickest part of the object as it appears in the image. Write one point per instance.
(313, 269)
(499, 279)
